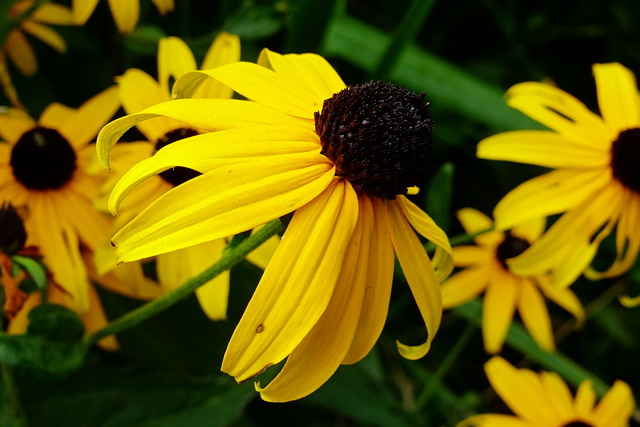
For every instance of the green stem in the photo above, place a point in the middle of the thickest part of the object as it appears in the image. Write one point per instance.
(458, 240)
(228, 260)
(13, 401)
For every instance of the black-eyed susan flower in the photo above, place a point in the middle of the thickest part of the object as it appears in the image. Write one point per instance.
(138, 90)
(342, 158)
(595, 184)
(485, 269)
(47, 171)
(125, 12)
(16, 46)
(544, 400)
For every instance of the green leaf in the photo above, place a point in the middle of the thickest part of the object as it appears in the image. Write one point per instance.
(55, 322)
(308, 25)
(41, 356)
(144, 39)
(35, 269)
(439, 194)
(254, 22)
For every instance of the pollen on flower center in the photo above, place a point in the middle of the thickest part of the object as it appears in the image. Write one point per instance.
(42, 159)
(378, 135)
(510, 247)
(625, 154)
(178, 175)
(13, 235)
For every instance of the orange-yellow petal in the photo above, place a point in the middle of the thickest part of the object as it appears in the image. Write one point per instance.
(500, 301)
(125, 14)
(617, 96)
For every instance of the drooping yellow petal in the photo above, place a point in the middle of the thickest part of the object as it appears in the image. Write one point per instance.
(617, 96)
(377, 293)
(465, 256)
(419, 272)
(52, 13)
(213, 150)
(225, 49)
(82, 10)
(558, 395)
(164, 6)
(465, 285)
(46, 34)
(174, 60)
(530, 230)
(474, 221)
(564, 297)
(261, 256)
(224, 202)
(126, 278)
(92, 226)
(297, 285)
(54, 115)
(318, 356)
(535, 315)
(500, 300)
(13, 124)
(585, 399)
(548, 194)
(561, 112)
(125, 14)
(616, 406)
(21, 53)
(543, 148)
(84, 125)
(207, 114)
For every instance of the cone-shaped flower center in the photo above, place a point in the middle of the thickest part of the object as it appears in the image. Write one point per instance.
(42, 159)
(178, 175)
(12, 233)
(510, 247)
(625, 155)
(378, 135)
(577, 424)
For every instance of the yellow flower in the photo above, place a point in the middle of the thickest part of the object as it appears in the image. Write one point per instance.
(17, 47)
(323, 298)
(138, 90)
(485, 269)
(595, 184)
(46, 171)
(544, 400)
(125, 12)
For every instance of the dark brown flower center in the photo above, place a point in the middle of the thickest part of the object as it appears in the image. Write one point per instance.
(625, 156)
(42, 159)
(577, 424)
(378, 135)
(510, 247)
(13, 235)
(178, 175)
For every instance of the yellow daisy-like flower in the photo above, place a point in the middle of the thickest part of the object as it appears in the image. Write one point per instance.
(125, 12)
(544, 400)
(138, 90)
(46, 171)
(17, 47)
(596, 183)
(485, 269)
(342, 158)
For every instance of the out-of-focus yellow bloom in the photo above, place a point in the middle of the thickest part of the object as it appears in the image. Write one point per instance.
(125, 12)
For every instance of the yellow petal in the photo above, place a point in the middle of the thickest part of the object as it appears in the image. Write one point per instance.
(55, 115)
(84, 125)
(474, 221)
(224, 202)
(419, 272)
(530, 230)
(558, 395)
(616, 406)
(13, 124)
(543, 148)
(464, 256)
(174, 60)
(548, 194)
(561, 112)
(535, 316)
(125, 13)
(564, 297)
(297, 286)
(318, 356)
(46, 34)
(51, 13)
(164, 6)
(92, 226)
(207, 114)
(225, 49)
(377, 294)
(492, 420)
(617, 96)
(21, 53)
(127, 278)
(423, 224)
(262, 255)
(585, 399)
(213, 150)
(82, 10)
(95, 319)
(465, 285)
(500, 301)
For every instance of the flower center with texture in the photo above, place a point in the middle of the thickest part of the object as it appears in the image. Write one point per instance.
(625, 154)
(42, 159)
(13, 235)
(577, 424)
(510, 247)
(378, 135)
(178, 175)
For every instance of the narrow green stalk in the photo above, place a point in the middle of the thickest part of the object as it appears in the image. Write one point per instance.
(228, 260)
(13, 401)
(458, 240)
(444, 368)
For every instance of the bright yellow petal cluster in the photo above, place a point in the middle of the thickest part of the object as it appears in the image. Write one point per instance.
(125, 12)
(584, 185)
(544, 400)
(505, 292)
(323, 298)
